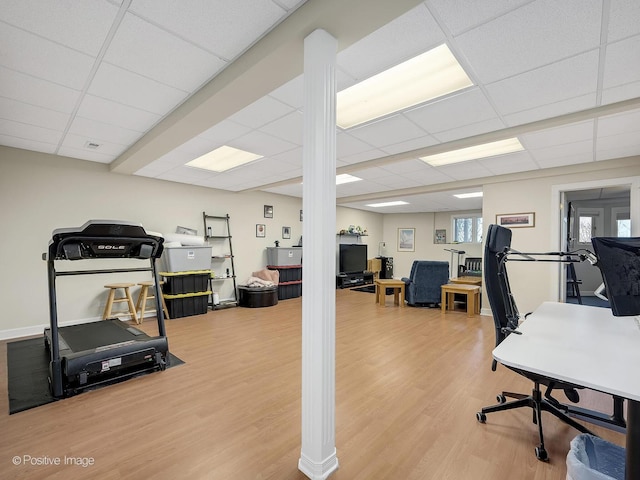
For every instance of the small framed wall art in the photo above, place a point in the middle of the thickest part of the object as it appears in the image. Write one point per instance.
(261, 230)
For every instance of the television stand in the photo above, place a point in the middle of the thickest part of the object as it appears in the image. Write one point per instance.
(348, 280)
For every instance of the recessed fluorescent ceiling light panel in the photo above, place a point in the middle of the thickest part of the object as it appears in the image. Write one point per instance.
(387, 204)
(419, 79)
(222, 159)
(346, 178)
(485, 150)
(468, 195)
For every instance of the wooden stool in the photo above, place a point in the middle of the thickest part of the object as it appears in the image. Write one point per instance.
(145, 295)
(112, 299)
(471, 291)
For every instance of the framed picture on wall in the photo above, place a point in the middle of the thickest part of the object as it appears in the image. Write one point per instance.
(440, 236)
(516, 220)
(261, 230)
(406, 239)
(286, 232)
(268, 211)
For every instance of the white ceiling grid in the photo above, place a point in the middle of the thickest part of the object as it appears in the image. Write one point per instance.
(74, 72)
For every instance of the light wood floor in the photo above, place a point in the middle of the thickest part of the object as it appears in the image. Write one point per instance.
(408, 384)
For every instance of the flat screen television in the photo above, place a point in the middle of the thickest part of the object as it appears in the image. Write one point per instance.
(353, 258)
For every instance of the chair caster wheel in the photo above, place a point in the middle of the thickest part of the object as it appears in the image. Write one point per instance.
(541, 454)
(481, 417)
(501, 398)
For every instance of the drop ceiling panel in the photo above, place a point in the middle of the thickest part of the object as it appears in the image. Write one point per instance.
(467, 107)
(550, 110)
(289, 127)
(623, 58)
(348, 145)
(407, 36)
(76, 24)
(622, 123)
(623, 144)
(564, 154)
(429, 176)
(26, 144)
(32, 115)
(575, 132)
(223, 132)
(293, 190)
(84, 154)
(413, 144)
(470, 130)
(623, 92)
(359, 157)
(35, 91)
(624, 19)
(537, 34)
(29, 132)
(389, 131)
(407, 167)
(143, 48)
(261, 112)
(512, 163)
(461, 15)
(261, 144)
(291, 93)
(128, 88)
(465, 170)
(35, 56)
(235, 25)
(114, 113)
(397, 181)
(79, 142)
(106, 133)
(541, 86)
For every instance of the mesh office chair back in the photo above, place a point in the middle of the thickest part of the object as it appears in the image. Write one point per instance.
(496, 282)
(619, 262)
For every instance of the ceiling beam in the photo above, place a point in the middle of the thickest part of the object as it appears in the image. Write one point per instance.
(268, 64)
(509, 132)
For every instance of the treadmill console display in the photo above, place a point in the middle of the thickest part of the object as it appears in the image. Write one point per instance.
(102, 239)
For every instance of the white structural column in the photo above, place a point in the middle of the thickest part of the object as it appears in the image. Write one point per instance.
(318, 457)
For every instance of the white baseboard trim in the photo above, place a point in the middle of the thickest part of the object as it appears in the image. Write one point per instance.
(13, 333)
(318, 471)
(486, 311)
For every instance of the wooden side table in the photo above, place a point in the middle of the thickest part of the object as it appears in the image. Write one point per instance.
(471, 291)
(467, 280)
(381, 289)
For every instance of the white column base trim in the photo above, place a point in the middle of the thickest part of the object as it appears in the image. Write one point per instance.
(318, 471)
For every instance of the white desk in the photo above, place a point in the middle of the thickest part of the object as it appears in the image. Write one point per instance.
(585, 346)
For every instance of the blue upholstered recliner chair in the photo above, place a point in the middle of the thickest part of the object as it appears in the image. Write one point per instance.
(423, 285)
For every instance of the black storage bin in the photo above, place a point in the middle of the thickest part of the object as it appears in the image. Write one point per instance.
(187, 304)
(288, 273)
(289, 290)
(186, 282)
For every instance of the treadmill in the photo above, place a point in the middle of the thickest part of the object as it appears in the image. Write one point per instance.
(90, 354)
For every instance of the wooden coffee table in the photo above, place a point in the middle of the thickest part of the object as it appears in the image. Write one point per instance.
(467, 280)
(381, 289)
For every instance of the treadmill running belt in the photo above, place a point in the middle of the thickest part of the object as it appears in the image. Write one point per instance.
(89, 336)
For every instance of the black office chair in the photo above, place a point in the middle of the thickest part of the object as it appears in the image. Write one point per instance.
(505, 318)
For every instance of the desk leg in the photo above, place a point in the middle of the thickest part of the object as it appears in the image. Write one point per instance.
(396, 296)
(377, 293)
(632, 470)
(402, 296)
(443, 301)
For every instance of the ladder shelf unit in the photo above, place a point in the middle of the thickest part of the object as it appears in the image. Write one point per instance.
(217, 233)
